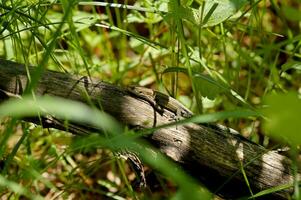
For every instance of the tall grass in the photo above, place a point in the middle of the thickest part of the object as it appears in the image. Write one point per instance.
(211, 56)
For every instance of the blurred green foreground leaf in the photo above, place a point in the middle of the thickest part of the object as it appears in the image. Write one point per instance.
(283, 112)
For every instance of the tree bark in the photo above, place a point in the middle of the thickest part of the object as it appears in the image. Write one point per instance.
(214, 156)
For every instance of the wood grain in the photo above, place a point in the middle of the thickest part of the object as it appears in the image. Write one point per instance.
(212, 156)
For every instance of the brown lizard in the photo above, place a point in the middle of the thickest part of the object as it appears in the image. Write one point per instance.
(160, 101)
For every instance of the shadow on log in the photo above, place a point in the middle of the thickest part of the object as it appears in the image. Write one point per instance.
(212, 155)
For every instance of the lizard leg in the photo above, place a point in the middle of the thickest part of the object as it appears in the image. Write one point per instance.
(176, 117)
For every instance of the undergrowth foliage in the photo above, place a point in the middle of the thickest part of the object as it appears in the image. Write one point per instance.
(220, 55)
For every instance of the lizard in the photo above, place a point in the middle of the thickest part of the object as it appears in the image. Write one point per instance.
(160, 101)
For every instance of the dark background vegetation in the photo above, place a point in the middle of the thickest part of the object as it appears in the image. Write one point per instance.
(211, 57)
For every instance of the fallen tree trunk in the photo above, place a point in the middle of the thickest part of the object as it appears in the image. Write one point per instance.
(213, 156)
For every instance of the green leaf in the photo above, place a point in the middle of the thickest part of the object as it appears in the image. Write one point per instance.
(178, 12)
(207, 86)
(271, 190)
(215, 12)
(59, 108)
(283, 112)
(291, 64)
(223, 9)
(135, 17)
(291, 13)
(131, 34)
(18, 188)
(190, 14)
(84, 20)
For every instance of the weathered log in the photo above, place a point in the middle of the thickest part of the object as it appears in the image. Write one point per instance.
(213, 156)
